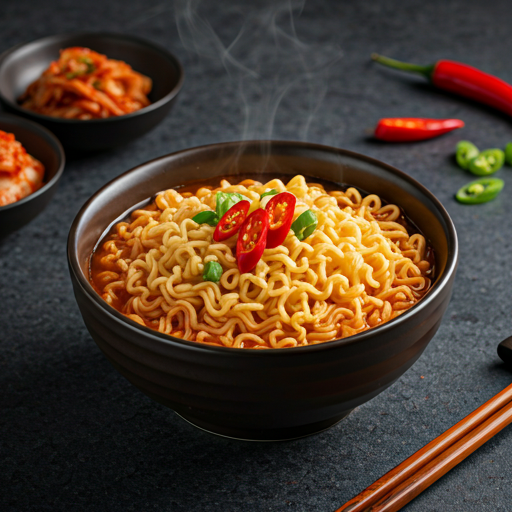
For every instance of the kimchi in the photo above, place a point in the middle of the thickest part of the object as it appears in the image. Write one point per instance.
(84, 84)
(20, 173)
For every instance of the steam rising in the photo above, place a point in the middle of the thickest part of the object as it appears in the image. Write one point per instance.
(265, 57)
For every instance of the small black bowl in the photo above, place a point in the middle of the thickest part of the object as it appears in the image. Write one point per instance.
(24, 63)
(262, 394)
(44, 146)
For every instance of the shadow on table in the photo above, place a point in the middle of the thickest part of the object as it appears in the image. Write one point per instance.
(75, 435)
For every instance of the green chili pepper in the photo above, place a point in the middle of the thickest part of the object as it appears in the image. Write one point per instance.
(480, 191)
(225, 200)
(508, 153)
(487, 162)
(465, 152)
(207, 217)
(305, 224)
(212, 271)
(272, 192)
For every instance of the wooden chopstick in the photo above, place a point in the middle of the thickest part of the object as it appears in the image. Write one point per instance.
(411, 477)
(434, 470)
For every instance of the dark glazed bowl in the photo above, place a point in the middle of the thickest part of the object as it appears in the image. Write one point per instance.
(269, 394)
(24, 63)
(44, 146)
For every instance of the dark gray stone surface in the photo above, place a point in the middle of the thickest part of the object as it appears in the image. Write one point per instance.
(74, 435)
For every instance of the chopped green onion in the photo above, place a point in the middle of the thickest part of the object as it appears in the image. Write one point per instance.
(272, 192)
(487, 162)
(90, 64)
(212, 271)
(465, 152)
(305, 224)
(207, 217)
(225, 200)
(480, 191)
(91, 68)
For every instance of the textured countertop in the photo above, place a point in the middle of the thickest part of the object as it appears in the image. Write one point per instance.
(74, 435)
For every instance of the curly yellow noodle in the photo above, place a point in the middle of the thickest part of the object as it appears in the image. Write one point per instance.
(358, 269)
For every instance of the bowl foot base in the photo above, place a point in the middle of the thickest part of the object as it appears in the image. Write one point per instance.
(271, 434)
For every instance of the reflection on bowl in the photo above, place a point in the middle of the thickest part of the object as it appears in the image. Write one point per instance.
(23, 64)
(269, 394)
(43, 146)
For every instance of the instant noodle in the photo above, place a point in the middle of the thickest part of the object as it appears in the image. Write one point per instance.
(357, 266)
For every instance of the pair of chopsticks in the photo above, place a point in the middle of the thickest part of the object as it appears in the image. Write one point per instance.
(403, 483)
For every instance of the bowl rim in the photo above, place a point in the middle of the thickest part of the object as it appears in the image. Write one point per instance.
(115, 35)
(49, 136)
(168, 340)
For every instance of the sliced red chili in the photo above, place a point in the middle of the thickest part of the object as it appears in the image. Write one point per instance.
(252, 240)
(231, 221)
(280, 212)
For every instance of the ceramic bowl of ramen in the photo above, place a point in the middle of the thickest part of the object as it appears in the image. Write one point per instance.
(43, 146)
(74, 103)
(316, 376)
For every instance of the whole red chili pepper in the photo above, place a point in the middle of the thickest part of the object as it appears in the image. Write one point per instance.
(461, 79)
(407, 129)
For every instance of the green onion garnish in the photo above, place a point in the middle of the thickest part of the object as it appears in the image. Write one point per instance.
(212, 271)
(91, 68)
(89, 63)
(305, 224)
(207, 217)
(225, 200)
(272, 192)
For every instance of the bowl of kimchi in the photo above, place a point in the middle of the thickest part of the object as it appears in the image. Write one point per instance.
(31, 164)
(92, 90)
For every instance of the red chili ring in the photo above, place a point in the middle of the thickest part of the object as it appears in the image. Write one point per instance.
(231, 221)
(280, 208)
(252, 240)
